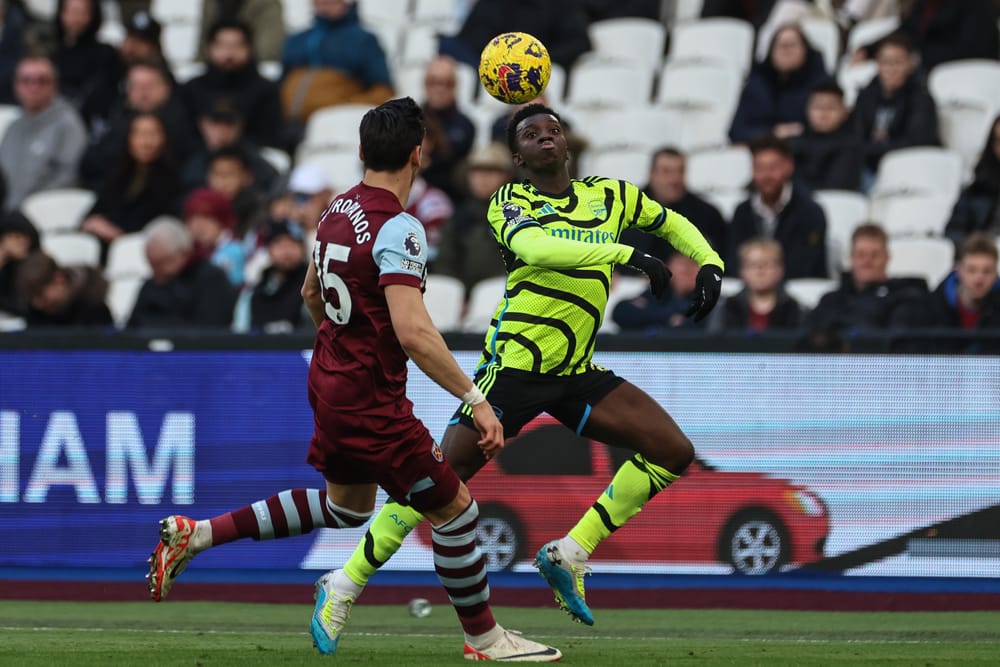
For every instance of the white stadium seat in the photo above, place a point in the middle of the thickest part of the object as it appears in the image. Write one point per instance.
(730, 287)
(439, 14)
(919, 215)
(963, 82)
(343, 168)
(726, 202)
(627, 165)
(420, 45)
(374, 12)
(845, 210)
(725, 40)
(184, 72)
(867, 32)
(333, 128)
(852, 78)
(606, 84)
(444, 297)
(693, 130)
(919, 170)
(619, 129)
(928, 258)
(390, 38)
(277, 158)
(824, 35)
(483, 300)
(808, 291)
(629, 40)
(180, 42)
(722, 170)
(697, 86)
(122, 293)
(687, 10)
(8, 114)
(73, 249)
(298, 14)
(176, 11)
(127, 257)
(270, 69)
(61, 209)
(623, 288)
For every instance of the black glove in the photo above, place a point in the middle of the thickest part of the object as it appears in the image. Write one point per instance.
(707, 286)
(653, 267)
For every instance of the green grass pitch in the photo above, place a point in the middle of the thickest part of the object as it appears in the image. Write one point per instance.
(207, 634)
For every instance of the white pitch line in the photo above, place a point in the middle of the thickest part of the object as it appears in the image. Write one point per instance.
(417, 635)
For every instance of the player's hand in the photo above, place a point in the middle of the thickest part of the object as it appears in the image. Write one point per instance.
(655, 270)
(490, 429)
(707, 287)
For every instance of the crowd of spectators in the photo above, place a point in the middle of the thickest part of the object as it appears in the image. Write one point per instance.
(189, 161)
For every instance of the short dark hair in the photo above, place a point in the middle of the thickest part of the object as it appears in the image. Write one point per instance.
(35, 272)
(829, 86)
(870, 230)
(231, 152)
(898, 39)
(771, 143)
(521, 114)
(665, 151)
(977, 243)
(389, 133)
(230, 24)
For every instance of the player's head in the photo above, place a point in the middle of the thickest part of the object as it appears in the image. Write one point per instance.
(391, 135)
(535, 137)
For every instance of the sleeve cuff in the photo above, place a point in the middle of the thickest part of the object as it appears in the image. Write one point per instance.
(399, 279)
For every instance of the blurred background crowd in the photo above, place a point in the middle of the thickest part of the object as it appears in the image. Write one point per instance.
(164, 163)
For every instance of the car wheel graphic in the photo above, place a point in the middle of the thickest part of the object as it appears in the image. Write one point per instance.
(754, 542)
(500, 536)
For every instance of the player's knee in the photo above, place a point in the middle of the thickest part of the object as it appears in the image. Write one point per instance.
(675, 453)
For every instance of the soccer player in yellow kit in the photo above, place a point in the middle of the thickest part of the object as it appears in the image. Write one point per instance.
(559, 239)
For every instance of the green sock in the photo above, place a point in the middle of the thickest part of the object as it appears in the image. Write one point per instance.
(385, 535)
(636, 481)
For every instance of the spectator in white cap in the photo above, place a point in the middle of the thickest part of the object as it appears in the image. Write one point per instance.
(309, 192)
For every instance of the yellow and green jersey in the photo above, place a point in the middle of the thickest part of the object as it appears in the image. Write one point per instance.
(560, 251)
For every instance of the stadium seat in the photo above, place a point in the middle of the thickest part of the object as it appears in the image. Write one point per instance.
(621, 129)
(629, 40)
(439, 14)
(962, 82)
(725, 40)
(699, 86)
(184, 72)
(176, 11)
(965, 130)
(605, 84)
(928, 258)
(8, 114)
(852, 78)
(687, 10)
(919, 170)
(919, 215)
(42, 9)
(808, 291)
(420, 45)
(277, 158)
(867, 32)
(112, 32)
(693, 130)
(375, 12)
(726, 202)
(127, 258)
(333, 128)
(73, 248)
(390, 38)
(180, 42)
(730, 287)
(483, 299)
(298, 14)
(122, 293)
(270, 69)
(628, 165)
(824, 35)
(721, 170)
(444, 297)
(342, 167)
(58, 210)
(845, 210)
(622, 289)
(10, 323)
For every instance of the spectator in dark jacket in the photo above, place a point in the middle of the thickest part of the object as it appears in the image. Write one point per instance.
(969, 298)
(62, 296)
(232, 74)
(18, 239)
(14, 22)
(183, 291)
(867, 298)
(944, 31)
(762, 304)
(828, 155)
(647, 314)
(276, 305)
(773, 101)
(895, 110)
(667, 185)
(88, 69)
(453, 140)
(978, 207)
(142, 187)
(782, 210)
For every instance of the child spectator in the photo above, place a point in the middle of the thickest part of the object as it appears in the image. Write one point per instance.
(828, 154)
(309, 193)
(62, 296)
(762, 304)
(978, 207)
(276, 305)
(210, 220)
(229, 172)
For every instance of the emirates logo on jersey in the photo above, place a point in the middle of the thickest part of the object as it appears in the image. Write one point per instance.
(411, 244)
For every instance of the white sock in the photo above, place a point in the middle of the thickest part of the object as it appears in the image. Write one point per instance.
(344, 586)
(201, 538)
(485, 639)
(572, 551)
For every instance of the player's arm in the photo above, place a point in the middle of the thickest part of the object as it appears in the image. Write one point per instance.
(400, 251)
(312, 295)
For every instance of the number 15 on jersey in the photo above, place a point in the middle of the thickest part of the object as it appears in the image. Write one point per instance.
(335, 294)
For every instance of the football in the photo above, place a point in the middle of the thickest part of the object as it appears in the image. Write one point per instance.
(515, 67)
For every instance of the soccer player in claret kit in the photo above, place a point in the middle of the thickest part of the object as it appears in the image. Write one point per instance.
(364, 292)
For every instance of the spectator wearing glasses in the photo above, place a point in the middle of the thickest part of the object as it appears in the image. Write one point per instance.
(42, 148)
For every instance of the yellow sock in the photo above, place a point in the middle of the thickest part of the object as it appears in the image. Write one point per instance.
(636, 481)
(385, 535)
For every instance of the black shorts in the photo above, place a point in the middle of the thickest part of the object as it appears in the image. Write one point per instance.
(518, 396)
